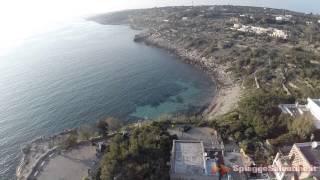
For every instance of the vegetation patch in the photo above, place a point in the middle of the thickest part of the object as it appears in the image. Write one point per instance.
(143, 153)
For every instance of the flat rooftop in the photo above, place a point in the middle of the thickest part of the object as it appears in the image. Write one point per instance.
(188, 157)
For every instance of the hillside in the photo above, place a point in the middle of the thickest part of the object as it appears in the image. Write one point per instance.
(271, 55)
(206, 36)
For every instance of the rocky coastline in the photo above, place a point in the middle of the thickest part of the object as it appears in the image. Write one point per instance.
(227, 92)
(38, 152)
(228, 89)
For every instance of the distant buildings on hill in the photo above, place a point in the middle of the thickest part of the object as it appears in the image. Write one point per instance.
(283, 18)
(272, 32)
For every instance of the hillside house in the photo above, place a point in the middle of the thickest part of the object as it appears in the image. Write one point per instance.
(191, 160)
(302, 162)
(312, 109)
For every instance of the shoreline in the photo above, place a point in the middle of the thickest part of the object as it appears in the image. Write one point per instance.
(39, 151)
(226, 94)
(35, 151)
(227, 89)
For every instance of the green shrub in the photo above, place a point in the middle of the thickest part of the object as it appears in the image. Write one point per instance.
(303, 127)
(285, 139)
(70, 141)
(143, 155)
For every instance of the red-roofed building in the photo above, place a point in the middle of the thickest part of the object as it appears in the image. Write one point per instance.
(303, 157)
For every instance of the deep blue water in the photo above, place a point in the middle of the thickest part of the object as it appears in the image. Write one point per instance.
(83, 72)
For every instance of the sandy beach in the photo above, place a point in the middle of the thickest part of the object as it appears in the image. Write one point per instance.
(225, 100)
(227, 95)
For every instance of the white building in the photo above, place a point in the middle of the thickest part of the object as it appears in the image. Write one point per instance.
(312, 108)
(283, 18)
(279, 34)
(273, 32)
(260, 30)
(288, 16)
(184, 18)
(309, 22)
(279, 18)
(237, 26)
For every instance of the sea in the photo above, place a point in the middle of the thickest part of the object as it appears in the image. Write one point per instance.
(82, 72)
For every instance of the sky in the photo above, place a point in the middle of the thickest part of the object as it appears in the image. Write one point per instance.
(23, 18)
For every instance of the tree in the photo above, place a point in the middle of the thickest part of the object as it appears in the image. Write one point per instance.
(86, 132)
(142, 155)
(103, 127)
(113, 123)
(256, 119)
(71, 140)
(285, 139)
(303, 127)
(259, 110)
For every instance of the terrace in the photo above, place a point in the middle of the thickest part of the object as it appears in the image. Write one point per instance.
(188, 157)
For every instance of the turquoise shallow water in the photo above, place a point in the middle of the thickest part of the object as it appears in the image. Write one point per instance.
(83, 72)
